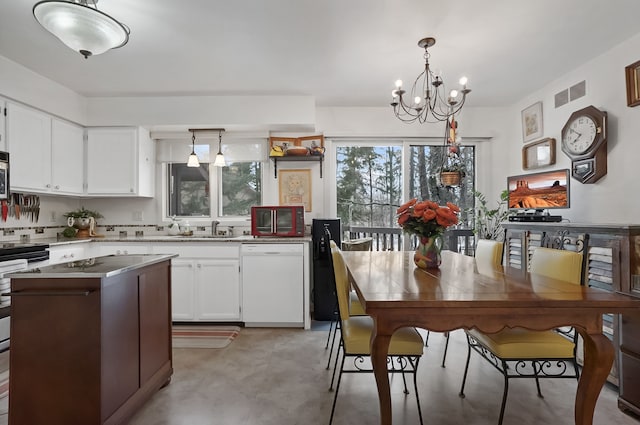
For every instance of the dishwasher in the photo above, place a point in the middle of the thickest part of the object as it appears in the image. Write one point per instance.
(273, 284)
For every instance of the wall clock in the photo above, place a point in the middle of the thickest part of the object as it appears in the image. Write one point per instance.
(584, 140)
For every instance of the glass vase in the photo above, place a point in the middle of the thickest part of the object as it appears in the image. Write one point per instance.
(428, 254)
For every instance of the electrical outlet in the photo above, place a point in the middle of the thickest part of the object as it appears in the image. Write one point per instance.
(137, 216)
(246, 232)
(53, 216)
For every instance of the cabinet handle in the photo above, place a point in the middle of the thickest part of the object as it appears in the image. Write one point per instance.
(47, 293)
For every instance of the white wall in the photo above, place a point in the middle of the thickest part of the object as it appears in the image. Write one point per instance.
(613, 198)
(23, 85)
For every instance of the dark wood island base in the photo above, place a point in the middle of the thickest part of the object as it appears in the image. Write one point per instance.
(90, 342)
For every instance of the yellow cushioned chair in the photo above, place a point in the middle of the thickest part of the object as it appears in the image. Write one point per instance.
(489, 253)
(521, 353)
(355, 308)
(406, 345)
(488, 257)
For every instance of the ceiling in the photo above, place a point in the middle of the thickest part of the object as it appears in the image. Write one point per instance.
(342, 52)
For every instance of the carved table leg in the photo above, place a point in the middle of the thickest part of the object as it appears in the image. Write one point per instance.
(379, 350)
(598, 358)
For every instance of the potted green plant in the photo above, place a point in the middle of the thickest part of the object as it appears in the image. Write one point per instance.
(487, 220)
(83, 220)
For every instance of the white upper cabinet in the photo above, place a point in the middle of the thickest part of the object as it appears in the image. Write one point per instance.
(46, 153)
(29, 145)
(120, 162)
(67, 158)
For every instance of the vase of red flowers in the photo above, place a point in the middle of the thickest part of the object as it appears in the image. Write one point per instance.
(428, 221)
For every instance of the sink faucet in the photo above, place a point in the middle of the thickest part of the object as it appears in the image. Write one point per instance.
(214, 227)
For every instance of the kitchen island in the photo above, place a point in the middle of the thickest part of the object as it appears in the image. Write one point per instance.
(90, 339)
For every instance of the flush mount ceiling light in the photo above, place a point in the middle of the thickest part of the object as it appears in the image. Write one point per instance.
(193, 158)
(81, 26)
(427, 99)
(220, 161)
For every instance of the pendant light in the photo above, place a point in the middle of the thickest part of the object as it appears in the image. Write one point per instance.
(220, 161)
(193, 158)
(81, 26)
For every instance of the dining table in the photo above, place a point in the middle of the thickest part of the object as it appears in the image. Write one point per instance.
(460, 294)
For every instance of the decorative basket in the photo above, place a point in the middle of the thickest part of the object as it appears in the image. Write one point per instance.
(450, 178)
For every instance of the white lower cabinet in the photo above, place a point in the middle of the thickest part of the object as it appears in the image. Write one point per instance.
(108, 248)
(205, 282)
(65, 253)
(273, 284)
(182, 290)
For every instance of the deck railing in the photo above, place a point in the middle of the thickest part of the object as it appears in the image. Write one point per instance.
(393, 239)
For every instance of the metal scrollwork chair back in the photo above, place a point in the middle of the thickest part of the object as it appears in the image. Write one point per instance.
(520, 353)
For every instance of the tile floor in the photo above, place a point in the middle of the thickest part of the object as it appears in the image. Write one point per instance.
(278, 376)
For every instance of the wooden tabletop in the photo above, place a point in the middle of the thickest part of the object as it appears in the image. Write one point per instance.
(386, 279)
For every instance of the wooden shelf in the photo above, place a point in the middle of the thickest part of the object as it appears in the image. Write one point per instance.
(276, 159)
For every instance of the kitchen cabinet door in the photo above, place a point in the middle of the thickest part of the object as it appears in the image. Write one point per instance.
(108, 248)
(29, 145)
(182, 290)
(67, 158)
(119, 162)
(217, 289)
(66, 253)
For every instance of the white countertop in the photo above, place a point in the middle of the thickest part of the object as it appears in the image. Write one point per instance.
(167, 238)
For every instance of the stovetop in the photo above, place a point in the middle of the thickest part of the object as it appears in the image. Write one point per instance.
(31, 251)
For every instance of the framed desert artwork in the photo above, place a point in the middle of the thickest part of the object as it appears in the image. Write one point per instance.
(294, 188)
(532, 122)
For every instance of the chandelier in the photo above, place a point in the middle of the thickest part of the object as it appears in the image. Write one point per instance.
(427, 99)
(81, 26)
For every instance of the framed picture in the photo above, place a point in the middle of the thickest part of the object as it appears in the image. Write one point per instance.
(294, 188)
(532, 122)
(632, 73)
(539, 154)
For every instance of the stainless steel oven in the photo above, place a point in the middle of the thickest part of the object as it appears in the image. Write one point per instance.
(14, 257)
(6, 267)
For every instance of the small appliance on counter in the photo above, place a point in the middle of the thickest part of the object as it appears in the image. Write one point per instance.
(277, 221)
